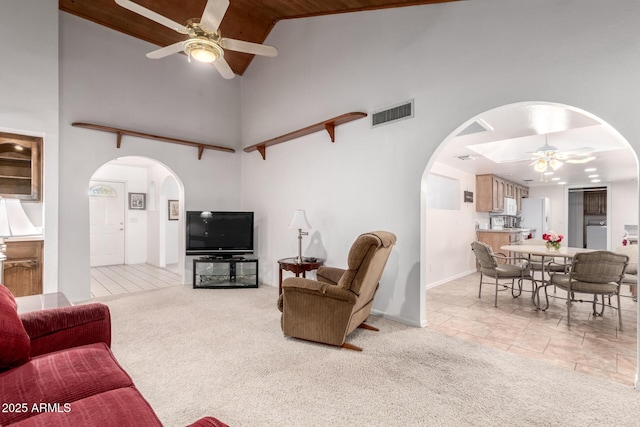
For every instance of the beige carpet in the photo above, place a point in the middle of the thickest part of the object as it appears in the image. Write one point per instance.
(221, 352)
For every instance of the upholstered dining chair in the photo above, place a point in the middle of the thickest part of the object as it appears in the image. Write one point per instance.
(631, 273)
(490, 266)
(551, 264)
(596, 273)
(328, 309)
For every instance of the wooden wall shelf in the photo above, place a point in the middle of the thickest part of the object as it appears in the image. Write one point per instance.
(119, 132)
(328, 125)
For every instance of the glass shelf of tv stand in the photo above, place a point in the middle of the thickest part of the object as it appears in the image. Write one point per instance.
(225, 273)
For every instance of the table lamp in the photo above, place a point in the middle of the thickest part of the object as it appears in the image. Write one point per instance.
(300, 222)
(13, 222)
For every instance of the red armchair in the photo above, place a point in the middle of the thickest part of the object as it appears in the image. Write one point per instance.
(56, 369)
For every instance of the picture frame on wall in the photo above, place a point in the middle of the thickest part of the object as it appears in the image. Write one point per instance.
(138, 201)
(174, 210)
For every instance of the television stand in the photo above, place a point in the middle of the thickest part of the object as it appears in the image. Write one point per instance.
(225, 273)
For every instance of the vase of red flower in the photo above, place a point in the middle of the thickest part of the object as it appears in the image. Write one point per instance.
(553, 240)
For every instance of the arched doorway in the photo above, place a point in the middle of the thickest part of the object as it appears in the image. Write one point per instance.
(515, 129)
(129, 214)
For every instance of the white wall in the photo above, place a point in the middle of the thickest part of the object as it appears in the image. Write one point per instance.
(170, 191)
(450, 230)
(105, 78)
(29, 103)
(456, 60)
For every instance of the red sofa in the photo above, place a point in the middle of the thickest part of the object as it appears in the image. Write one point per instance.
(56, 369)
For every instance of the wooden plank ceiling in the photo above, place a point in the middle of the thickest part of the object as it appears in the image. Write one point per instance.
(249, 20)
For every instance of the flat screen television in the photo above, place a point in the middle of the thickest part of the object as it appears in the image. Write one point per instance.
(221, 234)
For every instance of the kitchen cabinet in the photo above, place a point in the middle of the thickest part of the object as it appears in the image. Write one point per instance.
(20, 166)
(23, 267)
(497, 239)
(595, 202)
(491, 191)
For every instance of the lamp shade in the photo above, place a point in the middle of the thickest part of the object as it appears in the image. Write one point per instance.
(14, 221)
(299, 220)
(541, 165)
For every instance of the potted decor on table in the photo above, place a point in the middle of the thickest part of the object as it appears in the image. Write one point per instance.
(553, 240)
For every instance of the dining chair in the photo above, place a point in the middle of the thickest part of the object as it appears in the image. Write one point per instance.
(596, 273)
(551, 265)
(631, 273)
(490, 266)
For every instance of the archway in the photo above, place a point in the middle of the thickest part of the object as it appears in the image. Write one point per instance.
(145, 217)
(454, 227)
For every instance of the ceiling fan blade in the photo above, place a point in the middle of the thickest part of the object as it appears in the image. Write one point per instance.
(213, 13)
(223, 67)
(248, 47)
(150, 14)
(165, 51)
(583, 151)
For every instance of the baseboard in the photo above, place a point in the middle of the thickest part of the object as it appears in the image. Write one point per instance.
(450, 279)
(403, 320)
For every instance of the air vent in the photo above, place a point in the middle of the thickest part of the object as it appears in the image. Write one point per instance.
(392, 114)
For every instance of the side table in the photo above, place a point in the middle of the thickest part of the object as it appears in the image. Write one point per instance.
(42, 302)
(290, 264)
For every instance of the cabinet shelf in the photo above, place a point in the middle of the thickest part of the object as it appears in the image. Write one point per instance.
(27, 178)
(328, 125)
(225, 273)
(14, 159)
(20, 166)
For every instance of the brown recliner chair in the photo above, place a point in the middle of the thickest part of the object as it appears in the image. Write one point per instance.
(328, 309)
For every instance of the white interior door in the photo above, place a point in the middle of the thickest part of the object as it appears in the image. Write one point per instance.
(106, 205)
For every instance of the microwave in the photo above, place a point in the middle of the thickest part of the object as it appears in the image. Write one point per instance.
(510, 207)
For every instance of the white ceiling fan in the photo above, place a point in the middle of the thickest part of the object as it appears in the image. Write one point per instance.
(205, 43)
(549, 156)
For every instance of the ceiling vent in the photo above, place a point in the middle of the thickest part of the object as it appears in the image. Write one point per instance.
(392, 114)
(466, 157)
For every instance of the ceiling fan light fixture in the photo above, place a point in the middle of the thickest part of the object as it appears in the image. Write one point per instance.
(555, 164)
(540, 165)
(202, 50)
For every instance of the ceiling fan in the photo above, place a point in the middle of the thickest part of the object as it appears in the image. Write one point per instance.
(205, 43)
(548, 156)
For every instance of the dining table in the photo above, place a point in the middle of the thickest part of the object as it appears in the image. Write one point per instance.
(566, 252)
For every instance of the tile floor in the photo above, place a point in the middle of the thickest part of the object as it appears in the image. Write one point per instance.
(118, 279)
(592, 345)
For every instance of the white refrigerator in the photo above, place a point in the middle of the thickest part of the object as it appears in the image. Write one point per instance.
(535, 215)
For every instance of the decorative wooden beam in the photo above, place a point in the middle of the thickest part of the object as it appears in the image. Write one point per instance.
(120, 132)
(328, 125)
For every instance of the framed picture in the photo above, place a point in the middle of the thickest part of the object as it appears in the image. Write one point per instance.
(137, 201)
(174, 210)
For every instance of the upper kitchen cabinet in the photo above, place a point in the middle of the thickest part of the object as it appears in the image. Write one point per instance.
(491, 191)
(595, 202)
(20, 167)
